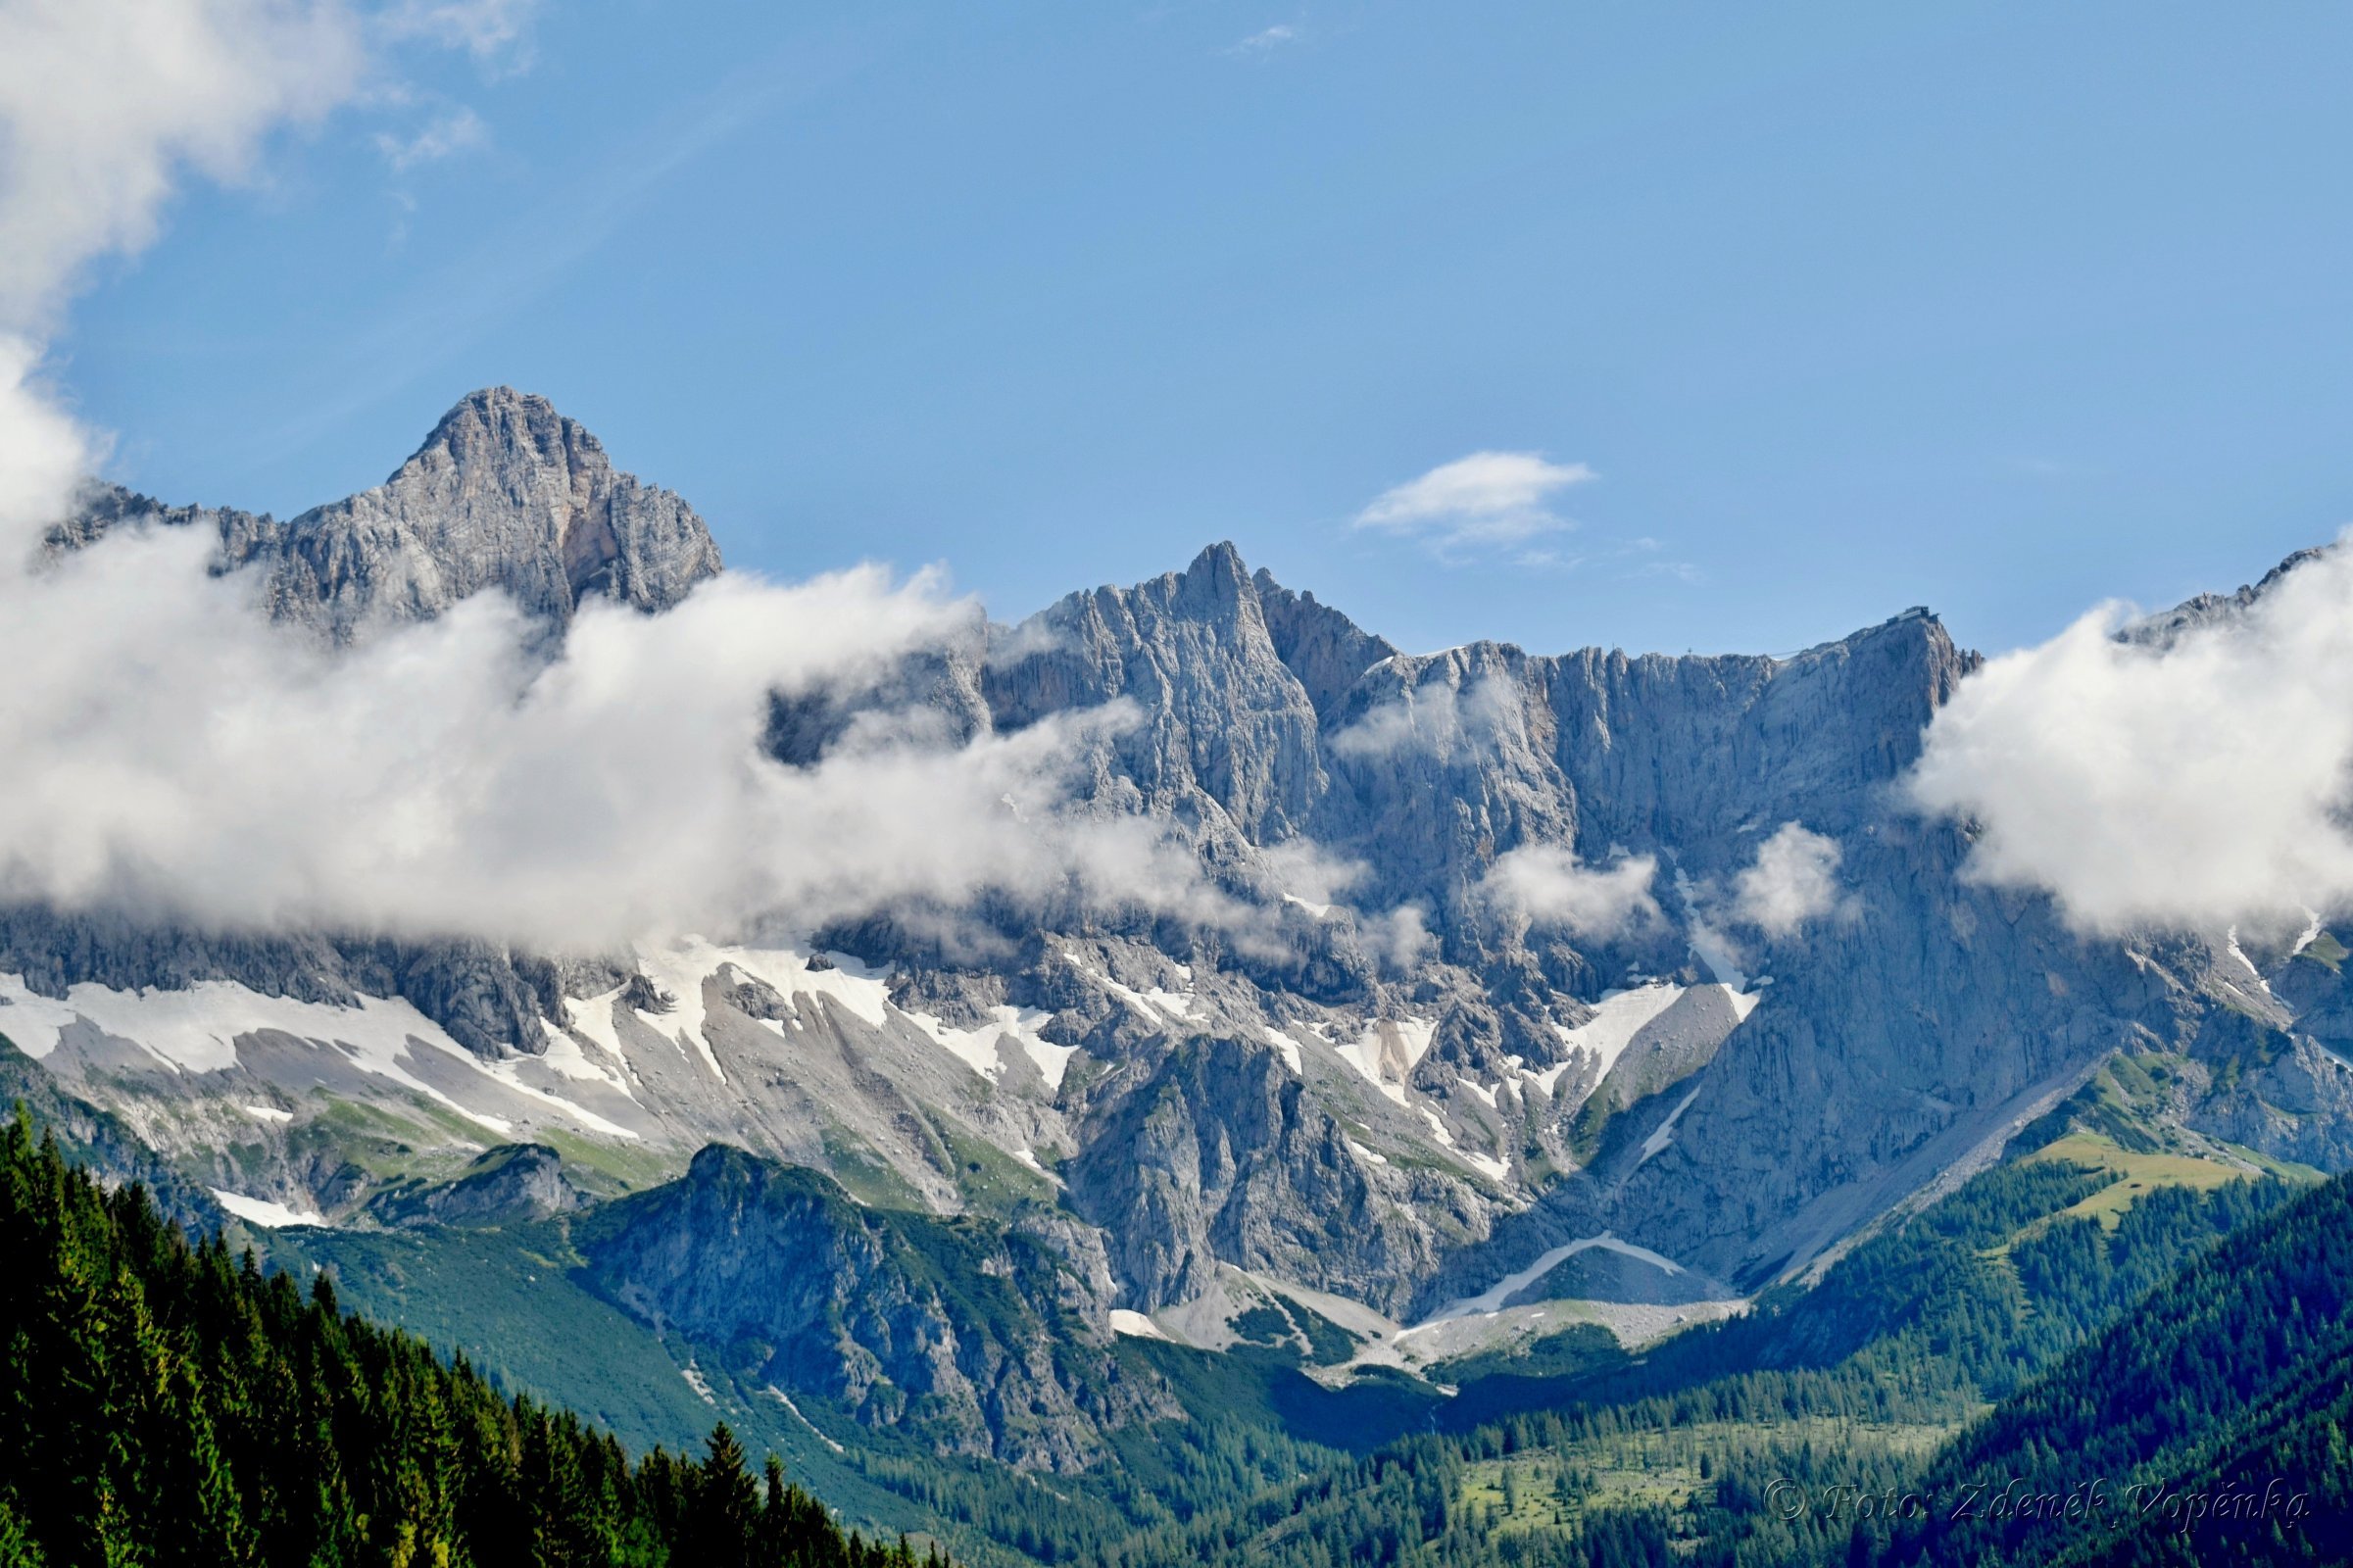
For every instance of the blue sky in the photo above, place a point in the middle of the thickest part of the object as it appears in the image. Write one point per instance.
(2001, 309)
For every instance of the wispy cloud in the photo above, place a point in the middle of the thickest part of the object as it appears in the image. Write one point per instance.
(445, 135)
(495, 32)
(102, 107)
(1485, 501)
(1437, 720)
(1264, 42)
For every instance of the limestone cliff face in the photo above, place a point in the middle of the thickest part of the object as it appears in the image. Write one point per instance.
(1225, 729)
(971, 1335)
(1216, 1154)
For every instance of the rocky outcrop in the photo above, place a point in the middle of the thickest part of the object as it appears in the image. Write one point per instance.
(971, 1336)
(508, 1185)
(1216, 1154)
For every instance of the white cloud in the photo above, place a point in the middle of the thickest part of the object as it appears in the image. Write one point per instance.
(1307, 871)
(458, 131)
(1433, 717)
(1258, 45)
(103, 102)
(1793, 879)
(1549, 885)
(2185, 787)
(1487, 500)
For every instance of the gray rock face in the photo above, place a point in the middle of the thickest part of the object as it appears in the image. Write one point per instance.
(509, 1184)
(1224, 721)
(973, 1337)
(490, 1001)
(505, 494)
(1217, 1154)
(2163, 628)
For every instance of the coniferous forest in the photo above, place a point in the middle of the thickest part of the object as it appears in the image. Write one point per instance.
(168, 1402)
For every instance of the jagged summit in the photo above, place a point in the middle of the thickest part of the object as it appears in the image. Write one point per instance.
(2165, 627)
(494, 419)
(505, 493)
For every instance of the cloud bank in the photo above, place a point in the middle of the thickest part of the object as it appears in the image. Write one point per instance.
(2188, 785)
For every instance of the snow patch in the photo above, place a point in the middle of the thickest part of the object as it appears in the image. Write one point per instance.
(1386, 1051)
(1486, 1165)
(786, 1401)
(1617, 1018)
(592, 1017)
(977, 1049)
(266, 1213)
(1135, 1325)
(195, 1030)
(1717, 953)
(1491, 1299)
(1284, 1046)
(267, 1114)
(1664, 1133)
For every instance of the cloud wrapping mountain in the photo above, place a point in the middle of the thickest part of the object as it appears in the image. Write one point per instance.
(169, 751)
(2192, 780)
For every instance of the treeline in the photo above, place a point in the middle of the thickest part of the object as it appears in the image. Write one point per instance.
(164, 1402)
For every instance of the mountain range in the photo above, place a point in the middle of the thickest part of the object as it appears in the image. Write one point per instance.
(1628, 986)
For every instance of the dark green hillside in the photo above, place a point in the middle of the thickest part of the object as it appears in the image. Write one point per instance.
(164, 1402)
(2215, 1413)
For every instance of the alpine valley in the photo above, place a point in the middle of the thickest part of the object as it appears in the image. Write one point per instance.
(1577, 1092)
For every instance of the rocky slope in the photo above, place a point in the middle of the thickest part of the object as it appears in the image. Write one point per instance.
(975, 1336)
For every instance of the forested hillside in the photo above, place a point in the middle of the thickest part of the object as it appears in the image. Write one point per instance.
(167, 1403)
(2213, 1418)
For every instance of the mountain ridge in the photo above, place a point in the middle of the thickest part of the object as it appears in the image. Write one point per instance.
(1424, 1071)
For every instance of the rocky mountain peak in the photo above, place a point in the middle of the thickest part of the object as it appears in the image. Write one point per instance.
(499, 425)
(506, 493)
(1215, 583)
